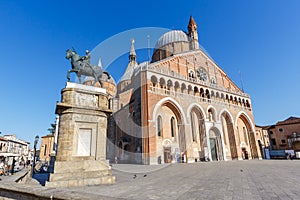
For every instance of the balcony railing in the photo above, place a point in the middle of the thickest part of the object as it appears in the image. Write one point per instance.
(180, 95)
(192, 80)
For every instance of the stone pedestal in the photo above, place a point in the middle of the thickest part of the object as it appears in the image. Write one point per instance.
(81, 147)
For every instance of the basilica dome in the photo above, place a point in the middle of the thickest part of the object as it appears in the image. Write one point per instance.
(171, 37)
(169, 44)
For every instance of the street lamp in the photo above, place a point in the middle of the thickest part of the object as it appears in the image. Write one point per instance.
(34, 154)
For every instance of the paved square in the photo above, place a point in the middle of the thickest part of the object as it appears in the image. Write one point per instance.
(267, 179)
(254, 179)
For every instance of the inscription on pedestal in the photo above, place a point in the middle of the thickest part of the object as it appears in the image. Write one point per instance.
(84, 142)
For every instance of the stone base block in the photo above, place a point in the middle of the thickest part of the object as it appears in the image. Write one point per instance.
(81, 173)
(81, 182)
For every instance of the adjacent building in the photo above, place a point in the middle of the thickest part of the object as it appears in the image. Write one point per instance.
(3, 144)
(263, 140)
(47, 147)
(180, 107)
(285, 135)
(11, 146)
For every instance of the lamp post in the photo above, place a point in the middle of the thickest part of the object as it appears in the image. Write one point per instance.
(34, 154)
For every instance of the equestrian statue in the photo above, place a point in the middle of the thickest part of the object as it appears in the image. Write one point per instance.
(81, 66)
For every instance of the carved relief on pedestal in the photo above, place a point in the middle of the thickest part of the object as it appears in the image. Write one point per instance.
(86, 100)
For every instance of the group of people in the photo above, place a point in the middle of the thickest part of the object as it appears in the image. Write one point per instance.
(8, 166)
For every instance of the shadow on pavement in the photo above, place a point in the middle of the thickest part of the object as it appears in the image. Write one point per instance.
(41, 177)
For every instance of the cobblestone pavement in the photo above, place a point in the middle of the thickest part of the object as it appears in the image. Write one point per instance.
(267, 179)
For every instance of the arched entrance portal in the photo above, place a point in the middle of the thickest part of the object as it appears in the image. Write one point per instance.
(169, 131)
(215, 144)
(197, 124)
(246, 137)
(168, 110)
(229, 137)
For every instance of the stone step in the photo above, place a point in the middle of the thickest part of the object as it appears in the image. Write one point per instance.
(79, 175)
(79, 166)
(81, 182)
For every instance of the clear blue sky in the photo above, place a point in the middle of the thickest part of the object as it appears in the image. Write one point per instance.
(259, 38)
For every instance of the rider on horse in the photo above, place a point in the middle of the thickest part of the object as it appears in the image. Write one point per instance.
(81, 66)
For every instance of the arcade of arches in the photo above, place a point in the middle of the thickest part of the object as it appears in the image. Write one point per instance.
(195, 135)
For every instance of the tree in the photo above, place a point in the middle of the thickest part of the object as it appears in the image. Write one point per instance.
(52, 129)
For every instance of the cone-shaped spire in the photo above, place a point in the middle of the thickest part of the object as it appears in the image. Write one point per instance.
(132, 63)
(99, 63)
(192, 24)
(193, 34)
(132, 50)
(132, 55)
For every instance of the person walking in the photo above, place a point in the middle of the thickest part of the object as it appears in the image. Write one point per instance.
(13, 166)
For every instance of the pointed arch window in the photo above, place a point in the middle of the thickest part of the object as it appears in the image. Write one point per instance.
(173, 127)
(159, 126)
(245, 135)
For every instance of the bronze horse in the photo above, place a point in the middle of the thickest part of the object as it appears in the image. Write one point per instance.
(81, 66)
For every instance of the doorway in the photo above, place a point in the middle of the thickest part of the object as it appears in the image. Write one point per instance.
(245, 155)
(213, 149)
(167, 155)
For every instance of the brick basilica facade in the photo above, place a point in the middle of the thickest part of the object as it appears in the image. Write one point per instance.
(180, 107)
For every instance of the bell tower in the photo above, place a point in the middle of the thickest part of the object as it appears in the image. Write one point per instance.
(193, 34)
